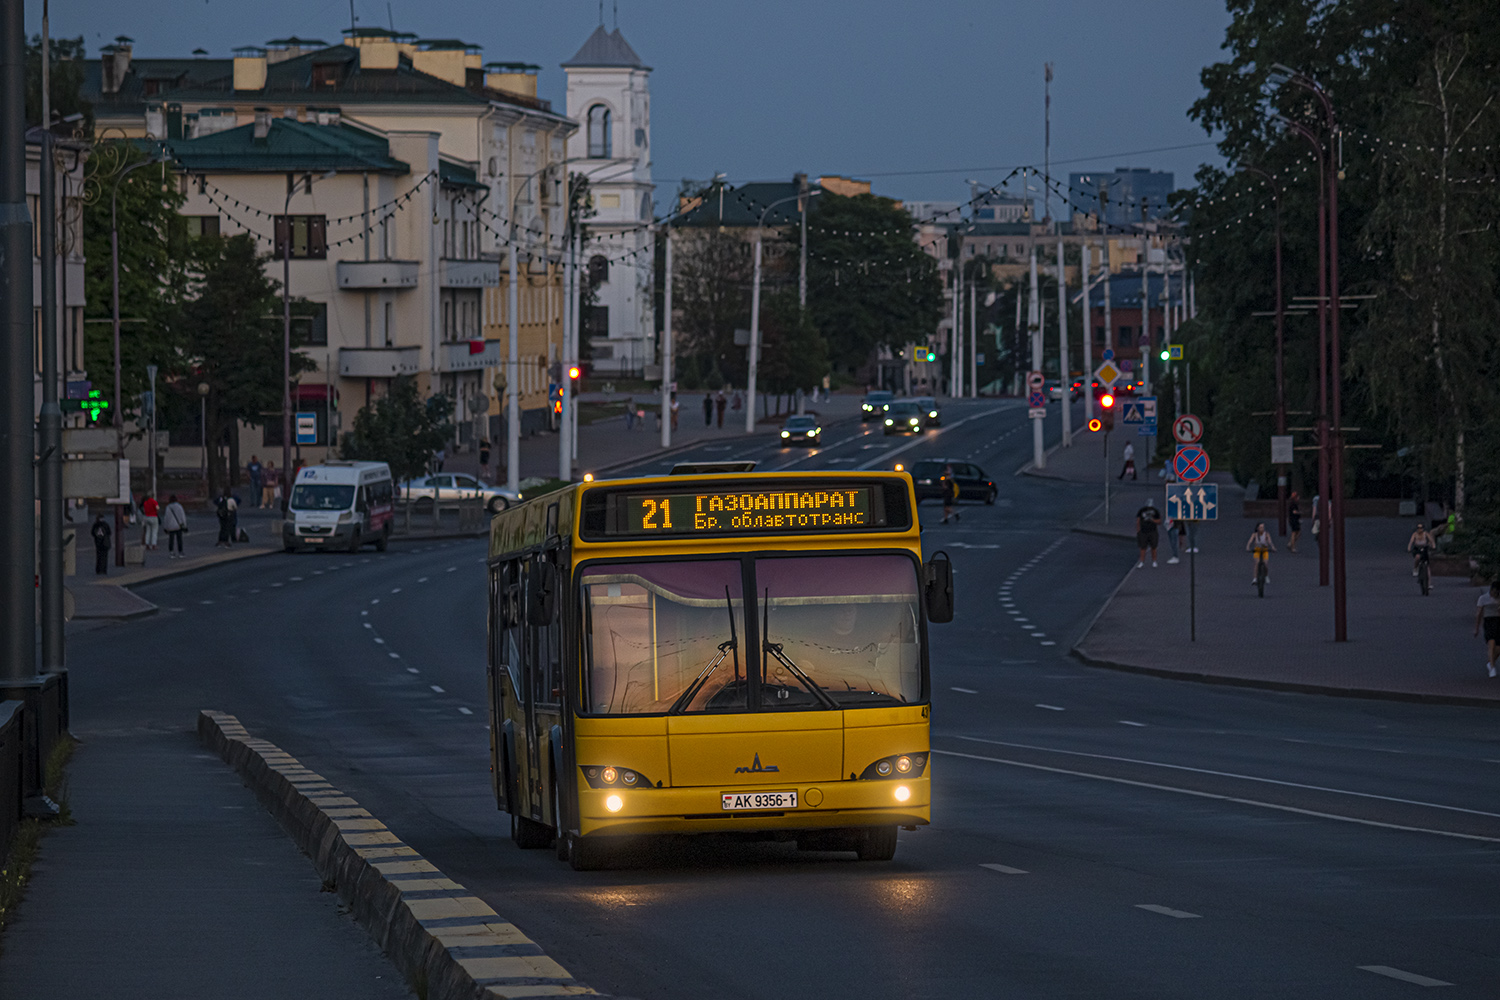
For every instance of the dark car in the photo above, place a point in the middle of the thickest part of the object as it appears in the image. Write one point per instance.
(934, 413)
(800, 430)
(973, 484)
(905, 417)
(875, 404)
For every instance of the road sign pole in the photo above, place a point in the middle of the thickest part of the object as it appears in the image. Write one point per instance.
(1106, 477)
(1192, 592)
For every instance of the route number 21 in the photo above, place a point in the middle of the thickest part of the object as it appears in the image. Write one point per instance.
(654, 507)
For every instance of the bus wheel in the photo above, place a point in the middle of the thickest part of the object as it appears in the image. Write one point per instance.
(587, 855)
(877, 844)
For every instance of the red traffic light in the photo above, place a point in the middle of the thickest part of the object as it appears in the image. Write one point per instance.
(574, 372)
(1107, 400)
(1095, 424)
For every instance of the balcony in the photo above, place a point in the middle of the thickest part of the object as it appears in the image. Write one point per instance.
(358, 275)
(462, 356)
(455, 273)
(379, 362)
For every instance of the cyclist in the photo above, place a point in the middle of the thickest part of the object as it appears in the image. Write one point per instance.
(1262, 546)
(1420, 545)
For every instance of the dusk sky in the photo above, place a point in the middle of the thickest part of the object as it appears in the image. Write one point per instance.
(917, 97)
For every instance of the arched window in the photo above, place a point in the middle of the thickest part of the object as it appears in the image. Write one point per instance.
(598, 270)
(599, 129)
(645, 208)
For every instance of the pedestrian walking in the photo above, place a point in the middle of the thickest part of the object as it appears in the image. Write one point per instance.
(1147, 523)
(674, 411)
(484, 457)
(630, 415)
(151, 519)
(257, 473)
(1174, 531)
(1293, 521)
(225, 505)
(1487, 615)
(1129, 462)
(719, 402)
(949, 482)
(174, 523)
(269, 488)
(103, 535)
(708, 409)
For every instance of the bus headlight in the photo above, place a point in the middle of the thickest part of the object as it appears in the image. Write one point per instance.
(613, 777)
(883, 769)
(614, 803)
(610, 774)
(902, 793)
(903, 764)
(897, 765)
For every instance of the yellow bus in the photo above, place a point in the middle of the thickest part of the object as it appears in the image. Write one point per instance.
(713, 653)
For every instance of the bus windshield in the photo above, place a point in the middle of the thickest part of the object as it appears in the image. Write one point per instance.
(834, 631)
(306, 496)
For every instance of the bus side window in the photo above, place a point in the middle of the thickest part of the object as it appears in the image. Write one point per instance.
(543, 664)
(510, 606)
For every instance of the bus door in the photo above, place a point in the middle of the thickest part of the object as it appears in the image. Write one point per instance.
(543, 674)
(511, 677)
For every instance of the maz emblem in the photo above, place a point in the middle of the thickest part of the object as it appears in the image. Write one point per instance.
(755, 768)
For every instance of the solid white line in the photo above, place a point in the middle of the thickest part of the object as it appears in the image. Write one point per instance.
(1167, 911)
(1127, 722)
(438, 689)
(464, 710)
(1005, 869)
(1222, 798)
(1231, 774)
(1406, 977)
(965, 690)
(1051, 708)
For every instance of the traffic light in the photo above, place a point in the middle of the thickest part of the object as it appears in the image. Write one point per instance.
(1107, 410)
(1096, 424)
(91, 406)
(931, 355)
(1166, 352)
(574, 374)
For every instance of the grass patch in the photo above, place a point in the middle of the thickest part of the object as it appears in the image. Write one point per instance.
(533, 488)
(16, 871)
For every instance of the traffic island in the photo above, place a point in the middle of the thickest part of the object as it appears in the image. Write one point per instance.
(448, 943)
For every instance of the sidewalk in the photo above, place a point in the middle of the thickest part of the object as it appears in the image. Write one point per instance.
(1401, 645)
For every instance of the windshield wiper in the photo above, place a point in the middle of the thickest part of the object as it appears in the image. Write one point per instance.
(774, 648)
(730, 645)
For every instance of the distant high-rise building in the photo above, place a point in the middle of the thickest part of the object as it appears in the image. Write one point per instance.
(1126, 186)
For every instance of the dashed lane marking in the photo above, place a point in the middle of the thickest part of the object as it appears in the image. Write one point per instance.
(438, 689)
(1403, 975)
(965, 690)
(413, 670)
(421, 579)
(465, 711)
(1005, 869)
(452, 569)
(379, 641)
(1127, 722)
(296, 579)
(277, 584)
(1167, 911)
(395, 656)
(396, 590)
(205, 602)
(1051, 708)
(367, 625)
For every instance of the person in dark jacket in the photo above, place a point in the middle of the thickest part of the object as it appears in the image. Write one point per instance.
(103, 536)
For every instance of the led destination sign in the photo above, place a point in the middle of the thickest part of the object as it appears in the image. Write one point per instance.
(769, 510)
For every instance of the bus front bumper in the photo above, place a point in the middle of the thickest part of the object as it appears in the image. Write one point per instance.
(820, 806)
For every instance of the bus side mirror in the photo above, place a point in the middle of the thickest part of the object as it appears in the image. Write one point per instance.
(541, 594)
(938, 583)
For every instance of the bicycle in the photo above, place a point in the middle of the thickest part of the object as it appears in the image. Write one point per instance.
(1424, 570)
(1262, 571)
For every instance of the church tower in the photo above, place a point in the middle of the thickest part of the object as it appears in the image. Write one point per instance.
(609, 96)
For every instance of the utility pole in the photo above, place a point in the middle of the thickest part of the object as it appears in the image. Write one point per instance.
(1034, 324)
(565, 384)
(17, 517)
(754, 340)
(1065, 377)
(512, 366)
(49, 472)
(955, 358)
(973, 342)
(1145, 337)
(1088, 323)
(1047, 143)
(802, 207)
(666, 344)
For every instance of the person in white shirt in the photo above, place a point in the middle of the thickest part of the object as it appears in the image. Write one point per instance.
(1487, 614)
(174, 523)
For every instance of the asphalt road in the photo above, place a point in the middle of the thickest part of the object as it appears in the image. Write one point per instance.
(1094, 834)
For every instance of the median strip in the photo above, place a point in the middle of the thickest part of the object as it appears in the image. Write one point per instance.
(446, 941)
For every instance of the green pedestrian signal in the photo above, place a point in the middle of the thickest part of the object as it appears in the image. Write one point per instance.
(931, 355)
(90, 406)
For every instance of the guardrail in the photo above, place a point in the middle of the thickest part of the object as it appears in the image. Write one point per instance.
(425, 517)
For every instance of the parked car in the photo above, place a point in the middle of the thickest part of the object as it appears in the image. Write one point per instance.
(973, 484)
(801, 429)
(934, 412)
(445, 486)
(904, 416)
(875, 404)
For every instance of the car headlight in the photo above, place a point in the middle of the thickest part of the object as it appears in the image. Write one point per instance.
(346, 517)
(867, 406)
(889, 421)
(914, 420)
(785, 434)
(933, 414)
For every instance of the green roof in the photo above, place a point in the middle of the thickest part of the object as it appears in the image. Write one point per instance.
(289, 146)
(452, 174)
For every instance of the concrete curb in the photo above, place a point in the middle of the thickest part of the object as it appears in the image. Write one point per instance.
(170, 572)
(145, 612)
(447, 942)
(1290, 686)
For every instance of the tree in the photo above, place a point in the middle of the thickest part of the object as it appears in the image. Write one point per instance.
(793, 353)
(155, 255)
(231, 344)
(711, 291)
(400, 429)
(869, 284)
(65, 81)
(580, 210)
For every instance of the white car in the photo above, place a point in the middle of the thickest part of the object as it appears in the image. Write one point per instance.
(446, 486)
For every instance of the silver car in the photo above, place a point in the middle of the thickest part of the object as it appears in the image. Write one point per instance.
(448, 486)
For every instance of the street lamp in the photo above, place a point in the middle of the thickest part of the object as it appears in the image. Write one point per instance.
(1280, 340)
(286, 336)
(800, 196)
(119, 415)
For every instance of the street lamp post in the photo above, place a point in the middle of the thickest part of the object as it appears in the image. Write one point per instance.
(1281, 483)
(802, 197)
